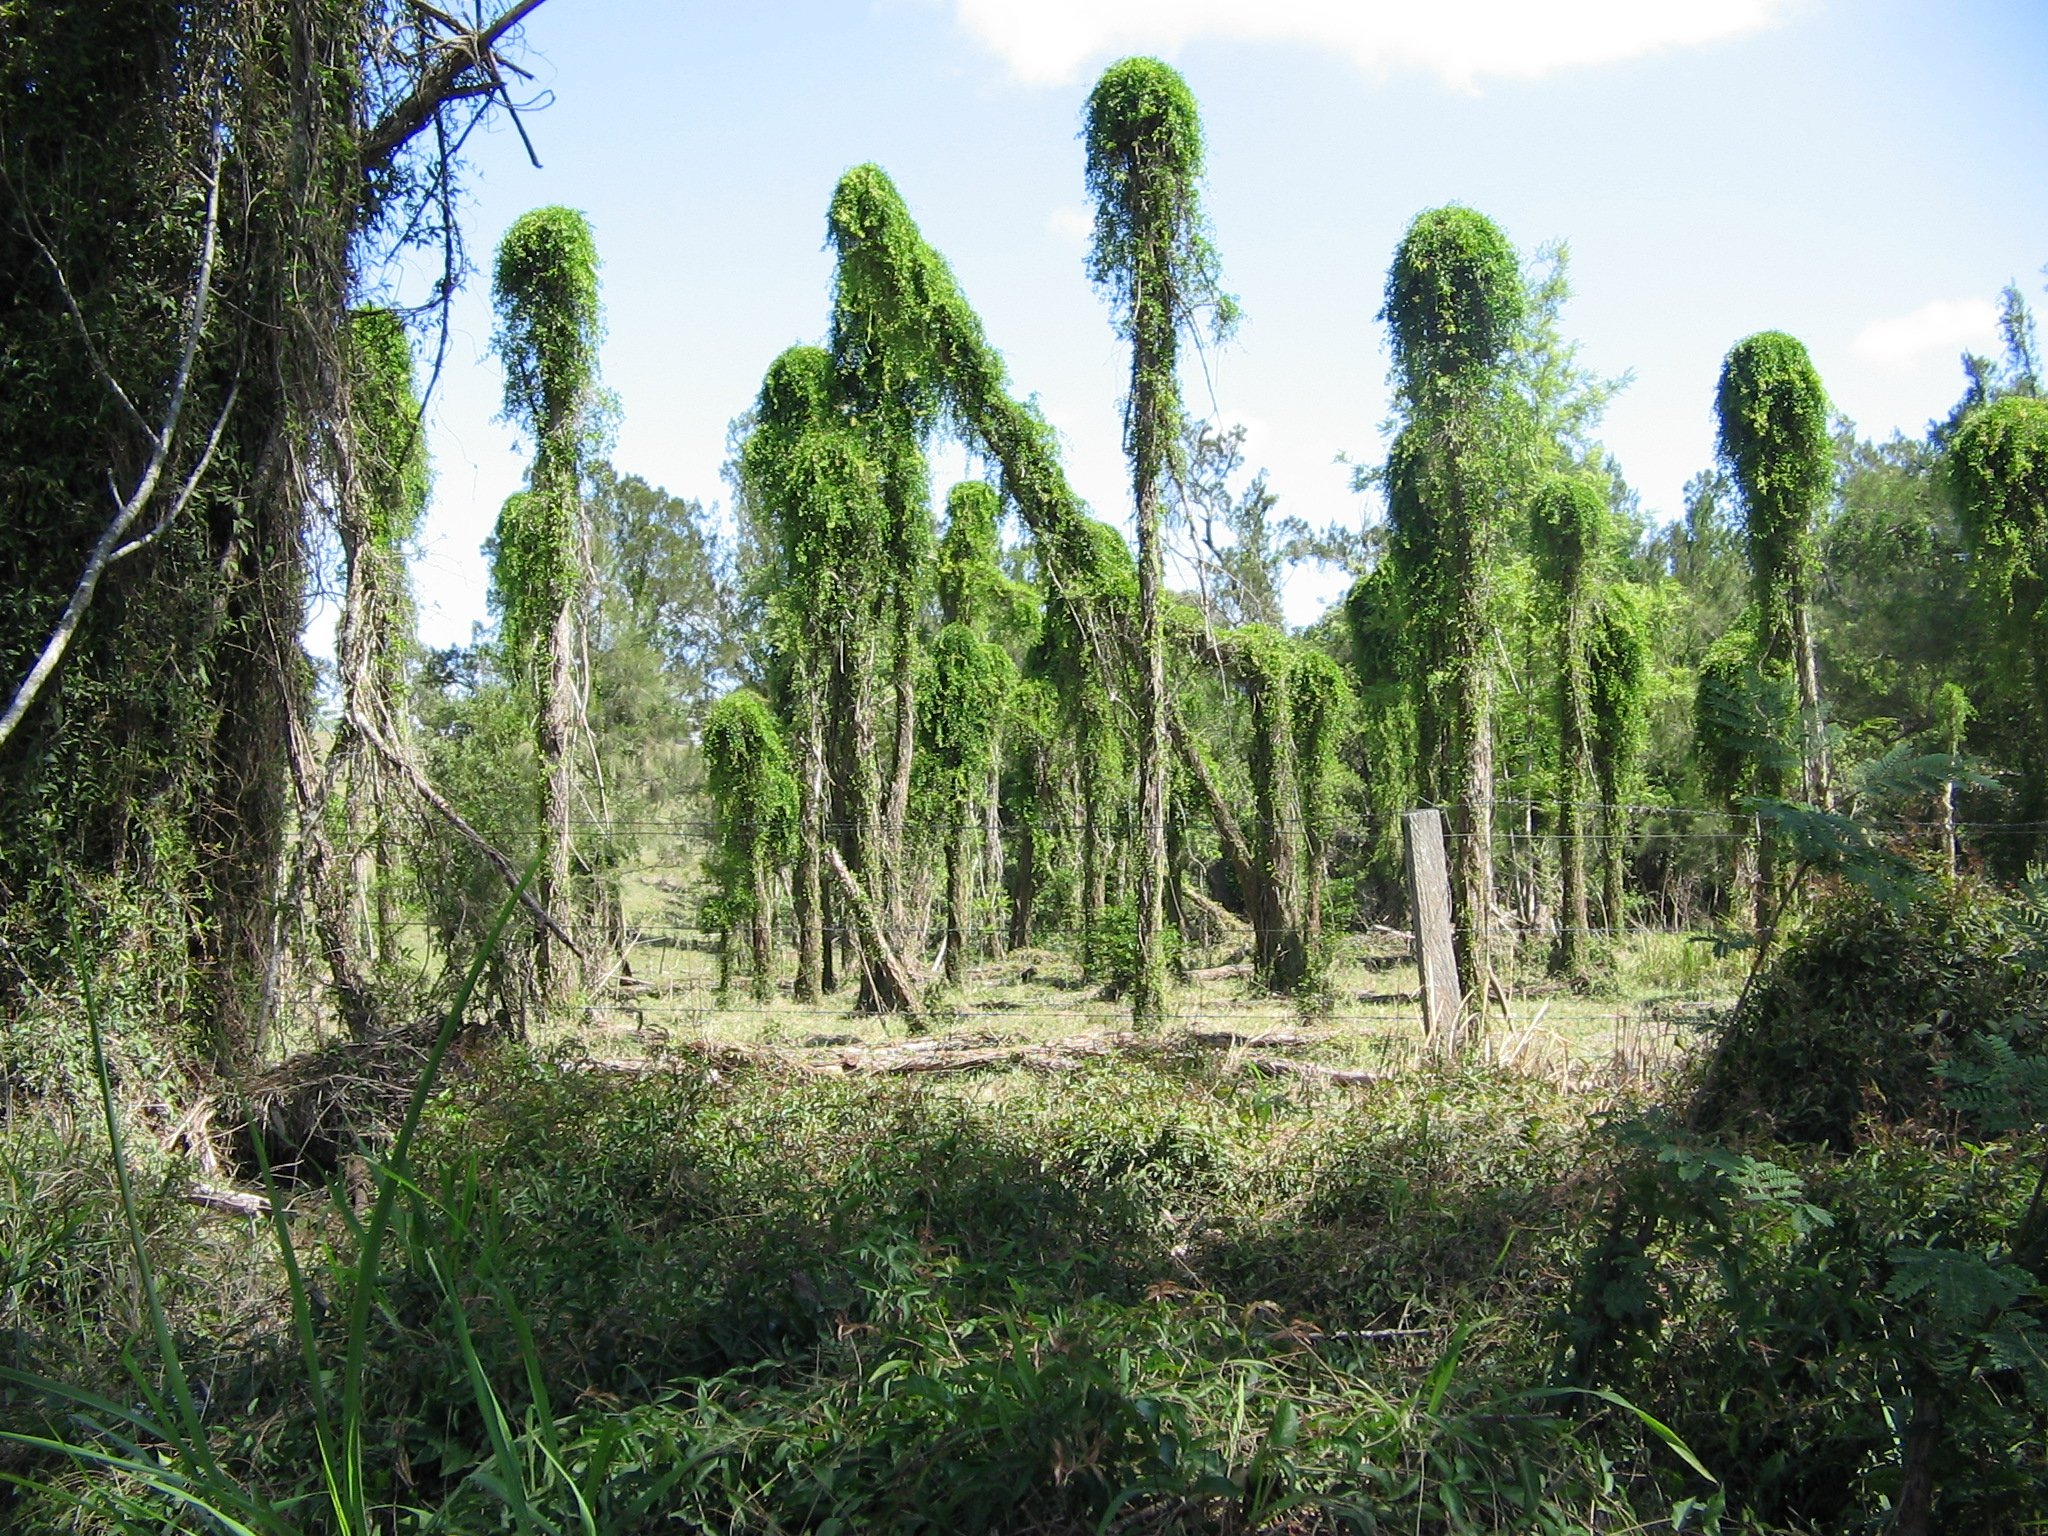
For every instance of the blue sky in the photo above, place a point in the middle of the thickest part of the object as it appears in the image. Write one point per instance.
(1863, 173)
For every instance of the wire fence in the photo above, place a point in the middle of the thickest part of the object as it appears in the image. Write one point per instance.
(679, 980)
(667, 976)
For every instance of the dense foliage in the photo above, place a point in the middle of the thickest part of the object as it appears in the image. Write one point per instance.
(271, 922)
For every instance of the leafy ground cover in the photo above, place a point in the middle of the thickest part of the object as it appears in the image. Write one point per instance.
(1170, 1287)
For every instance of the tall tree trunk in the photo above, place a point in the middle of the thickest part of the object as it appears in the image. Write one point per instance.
(1613, 850)
(1948, 825)
(1024, 872)
(1472, 852)
(240, 817)
(1279, 947)
(992, 871)
(763, 925)
(1575, 783)
(1813, 729)
(828, 906)
(1095, 834)
(1470, 725)
(861, 835)
(959, 898)
(885, 974)
(1315, 869)
(1152, 350)
(1024, 889)
(335, 914)
(556, 731)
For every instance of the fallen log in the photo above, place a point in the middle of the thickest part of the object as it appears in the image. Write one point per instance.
(230, 1202)
(1350, 1077)
(1276, 1039)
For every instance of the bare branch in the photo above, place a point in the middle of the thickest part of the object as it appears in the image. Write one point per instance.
(137, 501)
(512, 110)
(191, 484)
(441, 81)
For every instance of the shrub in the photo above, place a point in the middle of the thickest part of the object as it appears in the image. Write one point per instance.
(1853, 1020)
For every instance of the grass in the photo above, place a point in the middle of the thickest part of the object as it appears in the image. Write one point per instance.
(1368, 1016)
(636, 1278)
(1145, 1295)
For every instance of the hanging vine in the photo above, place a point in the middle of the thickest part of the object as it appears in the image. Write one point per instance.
(754, 800)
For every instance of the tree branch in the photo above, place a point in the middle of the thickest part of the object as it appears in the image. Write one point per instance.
(440, 82)
(439, 805)
(108, 548)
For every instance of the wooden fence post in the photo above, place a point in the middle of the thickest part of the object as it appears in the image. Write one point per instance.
(1429, 903)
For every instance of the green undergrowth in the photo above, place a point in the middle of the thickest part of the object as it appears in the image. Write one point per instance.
(1038, 1305)
(1144, 1296)
(1167, 1291)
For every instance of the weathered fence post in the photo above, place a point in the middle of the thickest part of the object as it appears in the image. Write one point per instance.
(1429, 902)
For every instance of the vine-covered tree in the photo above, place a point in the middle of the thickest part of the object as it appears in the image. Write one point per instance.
(189, 197)
(1774, 443)
(813, 473)
(754, 798)
(905, 299)
(544, 289)
(895, 405)
(1569, 520)
(1998, 468)
(1153, 257)
(969, 683)
(1454, 302)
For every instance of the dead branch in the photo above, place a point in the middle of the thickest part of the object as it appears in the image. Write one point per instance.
(450, 73)
(229, 1202)
(893, 984)
(1281, 1066)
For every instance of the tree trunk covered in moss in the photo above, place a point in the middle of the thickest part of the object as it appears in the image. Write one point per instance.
(150, 760)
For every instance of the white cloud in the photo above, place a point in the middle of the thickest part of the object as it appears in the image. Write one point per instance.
(1073, 224)
(1940, 329)
(1048, 42)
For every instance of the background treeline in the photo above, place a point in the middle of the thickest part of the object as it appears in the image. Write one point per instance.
(971, 719)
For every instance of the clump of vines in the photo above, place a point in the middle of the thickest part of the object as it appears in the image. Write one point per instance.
(544, 290)
(754, 798)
